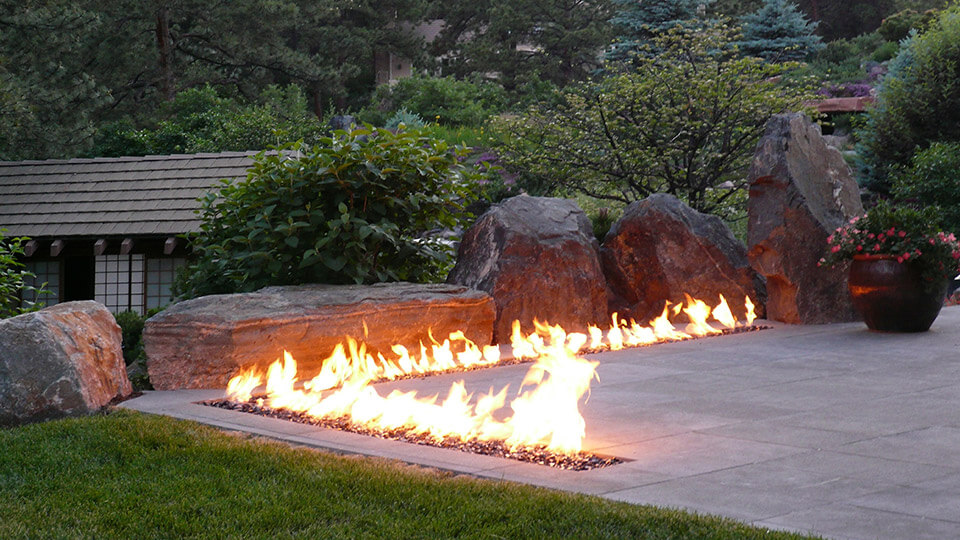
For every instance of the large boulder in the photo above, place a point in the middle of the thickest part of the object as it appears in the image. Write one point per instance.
(661, 248)
(201, 343)
(64, 360)
(538, 258)
(801, 190)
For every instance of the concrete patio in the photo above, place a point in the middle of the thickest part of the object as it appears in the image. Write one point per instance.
(831, 429)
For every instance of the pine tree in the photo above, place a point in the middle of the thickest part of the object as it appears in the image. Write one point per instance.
(779, 32)
(639, 21)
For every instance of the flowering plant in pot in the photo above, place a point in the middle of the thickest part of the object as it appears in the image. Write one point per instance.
(901, 264)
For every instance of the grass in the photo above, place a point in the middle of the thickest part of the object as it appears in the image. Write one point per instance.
(129, 475)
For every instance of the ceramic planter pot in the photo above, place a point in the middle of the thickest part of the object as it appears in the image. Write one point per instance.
(891, 296)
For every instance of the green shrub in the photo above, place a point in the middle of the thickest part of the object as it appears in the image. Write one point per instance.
(885, 52)
(897, 26)
(918, 102)
(131, 331)
(14, 278)
(350, 210)
(934, 180)
(602, 220)
(443, 100)
(408, 119)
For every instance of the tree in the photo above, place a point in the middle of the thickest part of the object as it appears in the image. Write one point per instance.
(350, 210)
(918, 102)
(685, 122)
(48, 98)
(778, 31)
(523, 40)
(640, 21)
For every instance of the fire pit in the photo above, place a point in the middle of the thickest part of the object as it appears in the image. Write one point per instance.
(543, 424)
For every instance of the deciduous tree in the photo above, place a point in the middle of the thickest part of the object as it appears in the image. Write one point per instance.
(684, 122)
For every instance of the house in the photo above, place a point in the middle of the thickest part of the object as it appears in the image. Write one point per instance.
(108, 229)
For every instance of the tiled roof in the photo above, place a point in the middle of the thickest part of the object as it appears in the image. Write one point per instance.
(154, 195)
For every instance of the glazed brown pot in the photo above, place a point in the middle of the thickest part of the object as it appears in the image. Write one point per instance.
(892, 296)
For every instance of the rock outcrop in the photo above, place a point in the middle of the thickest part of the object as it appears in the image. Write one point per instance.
(538, 258)
(201, 343)
(801, 190)
(64, 360)
(661, 248)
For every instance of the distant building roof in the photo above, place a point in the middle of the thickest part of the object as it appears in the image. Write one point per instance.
(149, 195)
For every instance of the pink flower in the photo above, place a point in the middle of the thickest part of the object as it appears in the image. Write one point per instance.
(834, 249)
(891, 231)
(906, 255)
(933, 242)
(876, 247)
(901, 234)
(859, 248)
(900, 259)
(871, 236)
(830, 239)
(880, 237)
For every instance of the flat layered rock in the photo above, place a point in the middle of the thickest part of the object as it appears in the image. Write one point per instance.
(538, 258)
(201, 343)
(801, 190)
(64, 360)
(661, 248)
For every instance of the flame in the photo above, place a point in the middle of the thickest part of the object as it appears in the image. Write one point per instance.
(544, 411)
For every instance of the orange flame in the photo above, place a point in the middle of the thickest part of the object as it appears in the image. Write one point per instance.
(545, 410)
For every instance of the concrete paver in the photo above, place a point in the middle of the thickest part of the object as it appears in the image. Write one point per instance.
(830, 429)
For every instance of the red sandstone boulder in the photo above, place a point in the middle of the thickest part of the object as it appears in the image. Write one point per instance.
(201, 343)
(801, 190)
(537, 257)
(661, 248)
(64, 360)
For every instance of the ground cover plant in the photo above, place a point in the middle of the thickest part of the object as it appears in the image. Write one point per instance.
(128, 475)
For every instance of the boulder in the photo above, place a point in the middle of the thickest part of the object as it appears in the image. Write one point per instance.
(801, 190)
(661, 248)
(538, 258)
(201, 343)
(64, 360)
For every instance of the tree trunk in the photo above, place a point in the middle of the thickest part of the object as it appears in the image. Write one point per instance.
(165, 48)
(317, 99)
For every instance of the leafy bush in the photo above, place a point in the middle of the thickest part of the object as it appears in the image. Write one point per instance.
(350, 210)
(131, 332)
(14, 277)
(918, 102)
(933, 180)
(897, 26)
(200, 120)
(885, 52)
(444, 100)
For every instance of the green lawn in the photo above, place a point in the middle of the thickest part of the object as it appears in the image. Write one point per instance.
(128, 475)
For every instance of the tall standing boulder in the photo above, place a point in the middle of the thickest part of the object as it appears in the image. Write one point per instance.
(538, 258)
(801, 190)
(661, 248)
(64, 360)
